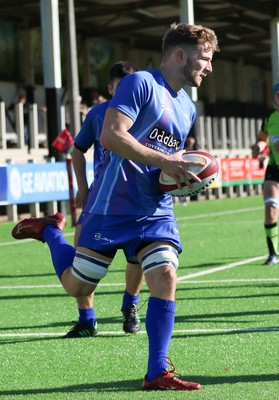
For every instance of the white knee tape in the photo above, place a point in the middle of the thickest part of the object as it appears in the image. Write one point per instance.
(159, 257)
(271, 201)
(89, 269)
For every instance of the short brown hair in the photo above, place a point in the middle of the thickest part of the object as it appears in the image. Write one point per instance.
(121, 69)
(191, 35)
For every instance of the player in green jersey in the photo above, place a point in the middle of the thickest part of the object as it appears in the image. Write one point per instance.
(269, 136)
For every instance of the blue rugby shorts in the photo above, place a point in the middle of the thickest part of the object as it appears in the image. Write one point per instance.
(109, 233)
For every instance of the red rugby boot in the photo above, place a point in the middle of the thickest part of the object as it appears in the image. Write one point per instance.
(32, 227)
(167, 381)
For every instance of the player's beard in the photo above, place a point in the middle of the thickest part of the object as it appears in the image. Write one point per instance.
(191, 76)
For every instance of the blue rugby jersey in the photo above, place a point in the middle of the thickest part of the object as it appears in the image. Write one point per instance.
(162, 120)
(90, 133)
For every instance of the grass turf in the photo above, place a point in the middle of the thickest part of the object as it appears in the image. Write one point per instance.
(226, 330)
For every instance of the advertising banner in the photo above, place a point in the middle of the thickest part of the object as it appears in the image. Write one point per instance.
(29, 183)
(3, 185)
(240, 171)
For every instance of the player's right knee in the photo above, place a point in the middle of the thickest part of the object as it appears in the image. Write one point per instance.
(89, 269)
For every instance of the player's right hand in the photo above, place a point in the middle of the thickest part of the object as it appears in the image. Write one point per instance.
(81, 197)
(176, 167)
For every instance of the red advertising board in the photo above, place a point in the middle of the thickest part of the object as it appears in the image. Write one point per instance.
(240, 170)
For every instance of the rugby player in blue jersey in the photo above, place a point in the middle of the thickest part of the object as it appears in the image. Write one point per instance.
(88, 136)
(145, 129)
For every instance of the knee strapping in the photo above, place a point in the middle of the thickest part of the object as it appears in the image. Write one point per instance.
(89, 269)
(271, 201)
(159, 257)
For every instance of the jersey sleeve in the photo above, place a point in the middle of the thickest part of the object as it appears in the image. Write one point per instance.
(90, 131)
(132, 94)
(265, 123)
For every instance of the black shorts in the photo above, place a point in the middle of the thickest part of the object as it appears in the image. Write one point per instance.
(272, 173)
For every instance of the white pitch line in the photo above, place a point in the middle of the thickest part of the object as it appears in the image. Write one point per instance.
(28, 240)
(221, 268)
(123, 284)
(179, 279)
(121, 333)
(189, 217)
(53, 286)
(219, 213)
(211, 270)
(232, 280)
(31, 287)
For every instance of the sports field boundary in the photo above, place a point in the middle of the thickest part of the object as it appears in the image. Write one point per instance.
(221, 268)
(121, 333)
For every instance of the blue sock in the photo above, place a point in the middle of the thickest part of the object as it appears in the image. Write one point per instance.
(62, 253)
(129, 299)
(87, 316)
(159, 326)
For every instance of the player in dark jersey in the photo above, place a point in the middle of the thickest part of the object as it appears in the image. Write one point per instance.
(268, 136)
(88, 136)
(145, 129)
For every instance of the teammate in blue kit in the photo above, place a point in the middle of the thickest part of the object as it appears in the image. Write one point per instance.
(88, 136)
(145, 129)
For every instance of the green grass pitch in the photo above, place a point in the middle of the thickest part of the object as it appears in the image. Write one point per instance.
(226, 330)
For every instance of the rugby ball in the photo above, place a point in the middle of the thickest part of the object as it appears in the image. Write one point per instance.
(208, 172)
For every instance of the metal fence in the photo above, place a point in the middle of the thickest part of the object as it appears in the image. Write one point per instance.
(227, 135)
(222, 136)
(13, 125)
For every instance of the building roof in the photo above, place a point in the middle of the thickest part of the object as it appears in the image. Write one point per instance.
(242, 26)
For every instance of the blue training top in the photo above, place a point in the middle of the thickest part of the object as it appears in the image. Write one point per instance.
(162, 120)
(90, 133)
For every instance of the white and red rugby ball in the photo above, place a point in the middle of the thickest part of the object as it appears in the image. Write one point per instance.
(208, 172)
